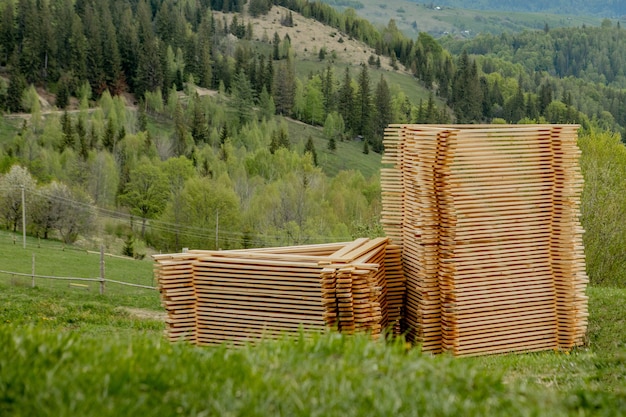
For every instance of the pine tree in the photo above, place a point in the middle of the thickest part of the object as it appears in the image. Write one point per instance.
(285, 87)
(363, 103)
(545, 97)
(328, 90)
(310, 148)
(142, 117)
(81, 133)
(179, 145)
(68, 131)
(274, 145)
(128, 42)
(466, 97)
(346, 101)
(383, 113)
(112, 64)
(199, 126)
(266, 105)
(332, 144)
(108, 139)
(242, 97)
(150, 74)
(94, 65)
(8, 35)
(223, 135)
(276, 46)
(17, 85)
(63, 94)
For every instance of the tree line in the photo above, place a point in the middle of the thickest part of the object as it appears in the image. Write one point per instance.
(581, 68)
(148, 46)
(177, 180)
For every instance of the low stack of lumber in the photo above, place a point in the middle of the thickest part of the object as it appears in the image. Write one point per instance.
(175, 279)
(242, 295)
(488, 221)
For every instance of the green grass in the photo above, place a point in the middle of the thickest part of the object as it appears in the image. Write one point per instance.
(9, 127)
(55, 259)
(72, 352)
(348, 155)
(66, 354)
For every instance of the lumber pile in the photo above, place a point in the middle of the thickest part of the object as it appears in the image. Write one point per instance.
(174, 275)
(487, 217)
(240, 296)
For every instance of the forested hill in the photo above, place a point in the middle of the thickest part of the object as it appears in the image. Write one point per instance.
(596, 54)
(603, 8)
(584, 66)
(153, 46)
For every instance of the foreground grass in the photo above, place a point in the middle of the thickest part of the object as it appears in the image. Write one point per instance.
(44, 373)
(65, 353)
(54, 259)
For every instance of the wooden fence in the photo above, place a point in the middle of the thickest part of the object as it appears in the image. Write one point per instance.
(102, 280)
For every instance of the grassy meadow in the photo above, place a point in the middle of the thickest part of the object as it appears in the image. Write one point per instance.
(52, 258)
(67, 351)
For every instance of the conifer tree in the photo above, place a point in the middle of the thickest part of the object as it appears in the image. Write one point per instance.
(310, 148)
(363, 103)
(199, 126)
(285, 87)
(68, 131)
(328, 90)
(332, 144)
(243, 97)
(383, 113)
(346, 101)
(466, 97)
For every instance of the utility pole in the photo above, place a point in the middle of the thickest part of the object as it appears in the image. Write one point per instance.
(23, 218)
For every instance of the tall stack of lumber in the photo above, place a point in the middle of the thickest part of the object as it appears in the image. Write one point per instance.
(243, 295)
(490, 235)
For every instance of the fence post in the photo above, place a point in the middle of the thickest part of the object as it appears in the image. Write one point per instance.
(23, 217)
(101, 269)
(33, 270)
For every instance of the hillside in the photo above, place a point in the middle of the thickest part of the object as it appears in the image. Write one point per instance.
(599, 8)
(464, 20)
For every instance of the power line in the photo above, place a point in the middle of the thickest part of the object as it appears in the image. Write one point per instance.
(169, 227)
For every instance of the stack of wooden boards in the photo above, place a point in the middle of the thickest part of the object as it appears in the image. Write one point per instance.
(238, 296)
(487, 218)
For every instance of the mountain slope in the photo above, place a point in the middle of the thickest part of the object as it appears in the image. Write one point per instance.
(604, 8)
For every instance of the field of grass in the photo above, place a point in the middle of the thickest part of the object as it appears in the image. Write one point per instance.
(348, 155)
(62, 353)
(66, 351)
(52, 258)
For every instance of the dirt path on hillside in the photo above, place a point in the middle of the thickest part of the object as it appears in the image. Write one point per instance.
(145, 314)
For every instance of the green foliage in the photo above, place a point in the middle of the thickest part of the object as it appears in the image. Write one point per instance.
(603, 207)
(345, 376)
(67, 337)
(205, 205)
(146, 192)
(575, 66)
(310, 148)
